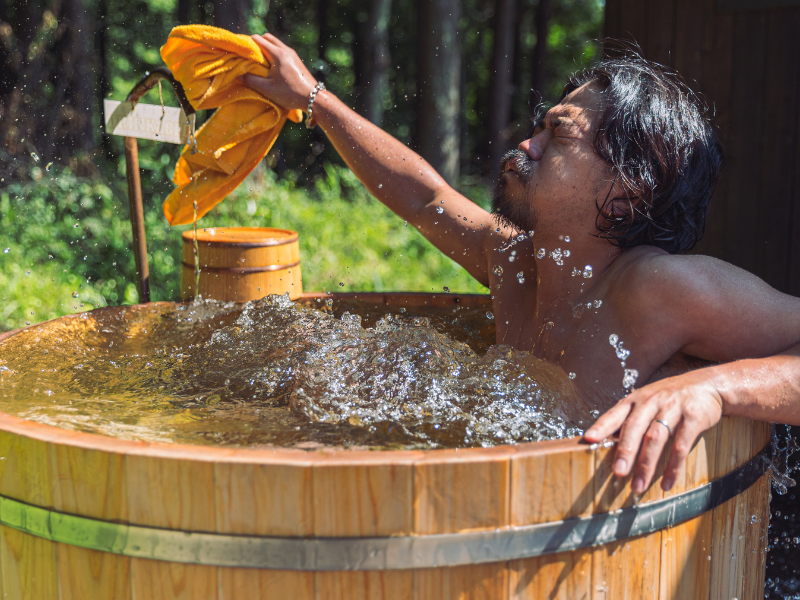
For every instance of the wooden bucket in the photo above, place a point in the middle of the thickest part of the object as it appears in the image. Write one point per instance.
(88, 516)
(240, 264)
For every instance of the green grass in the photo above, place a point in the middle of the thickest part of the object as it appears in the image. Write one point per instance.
(66, 234)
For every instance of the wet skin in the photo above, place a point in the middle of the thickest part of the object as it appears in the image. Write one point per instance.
(671, 312)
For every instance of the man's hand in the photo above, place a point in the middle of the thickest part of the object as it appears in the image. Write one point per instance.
(289, 83)
(688, 404)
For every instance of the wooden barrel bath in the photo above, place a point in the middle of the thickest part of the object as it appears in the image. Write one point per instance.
(88, 516)
(239, 264)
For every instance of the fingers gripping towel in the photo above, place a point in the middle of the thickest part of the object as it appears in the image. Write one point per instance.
(207, 61)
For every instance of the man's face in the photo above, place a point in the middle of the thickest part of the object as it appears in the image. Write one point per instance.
(555, 179)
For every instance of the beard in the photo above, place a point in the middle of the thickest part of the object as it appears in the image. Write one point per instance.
(510, 212)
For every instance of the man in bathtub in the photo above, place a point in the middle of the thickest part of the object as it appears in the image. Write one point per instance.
(597, 207)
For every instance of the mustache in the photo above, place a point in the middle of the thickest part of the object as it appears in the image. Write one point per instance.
(523, 163)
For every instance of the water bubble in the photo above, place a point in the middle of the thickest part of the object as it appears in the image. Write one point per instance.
(572, 375)
(587, 271)
(490, 315)
(613, 339)
(540, 253)
(446, 289)
(629, 378)
(521, 277)
(75, 294)
(439, 209)
(497, 270)
(567, 253)
(566, 238)
(598, 303)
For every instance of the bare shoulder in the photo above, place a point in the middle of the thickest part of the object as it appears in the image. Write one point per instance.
(717, 310)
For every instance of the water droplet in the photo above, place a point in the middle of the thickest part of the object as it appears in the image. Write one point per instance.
(567, 253)
(47, 166)
(380, 185)
(566, 238)
(35, 156)
(575, 271)
(594, 413)
(7, 250)
(587, 271)
(557, 256)
(613, 339)
(521, 277)
(598, 303)
(572, 376)
(28, 272)
(622, 353)
(329, 302)
(548, 325)
(497, 270)
(75, 294)
(490, 315)
(405, 223)
(540, 253)
(754, 519)
(629, 378)
(439, 209)
(341, 284)
(446, 289)
(75, 226)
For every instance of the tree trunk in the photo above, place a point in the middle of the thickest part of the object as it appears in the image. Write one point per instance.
(501, 87)
(184, 12)
(103, 86)
(231, 15)
(76, 113)
(439, 85)
(376, 61)
(540, 51)
(324, 30)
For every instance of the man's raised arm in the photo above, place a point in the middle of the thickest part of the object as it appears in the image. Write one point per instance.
(395, 175)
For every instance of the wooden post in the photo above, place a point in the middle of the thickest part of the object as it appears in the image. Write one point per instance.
(137, 218)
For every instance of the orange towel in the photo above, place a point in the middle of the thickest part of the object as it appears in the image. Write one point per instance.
(207, 61)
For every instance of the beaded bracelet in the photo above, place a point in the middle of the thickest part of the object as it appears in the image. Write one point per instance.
(310, 123)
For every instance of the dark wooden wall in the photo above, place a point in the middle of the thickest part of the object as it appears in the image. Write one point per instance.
(746, 63)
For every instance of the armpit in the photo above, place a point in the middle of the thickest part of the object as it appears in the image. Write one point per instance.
(679, 363)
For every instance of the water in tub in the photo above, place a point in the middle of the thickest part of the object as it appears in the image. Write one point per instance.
(273, 372)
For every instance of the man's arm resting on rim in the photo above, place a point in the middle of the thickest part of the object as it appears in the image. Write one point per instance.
(762, 389)
(394, 174)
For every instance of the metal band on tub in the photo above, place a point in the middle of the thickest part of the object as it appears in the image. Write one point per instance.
(378, 553)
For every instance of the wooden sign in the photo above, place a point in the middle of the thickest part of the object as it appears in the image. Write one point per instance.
(148, 121)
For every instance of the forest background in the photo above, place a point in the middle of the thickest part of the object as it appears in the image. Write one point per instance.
(453, 79)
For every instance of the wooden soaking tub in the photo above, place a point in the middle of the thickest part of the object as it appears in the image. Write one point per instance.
(87, 516)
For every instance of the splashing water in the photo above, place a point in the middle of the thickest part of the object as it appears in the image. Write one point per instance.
(273, 372)
(497, 270)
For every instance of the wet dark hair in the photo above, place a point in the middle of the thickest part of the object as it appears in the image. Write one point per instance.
(655, 133)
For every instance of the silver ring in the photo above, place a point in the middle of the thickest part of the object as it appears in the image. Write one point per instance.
(665, 424)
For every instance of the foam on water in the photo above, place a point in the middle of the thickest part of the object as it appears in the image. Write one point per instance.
(274, 372)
